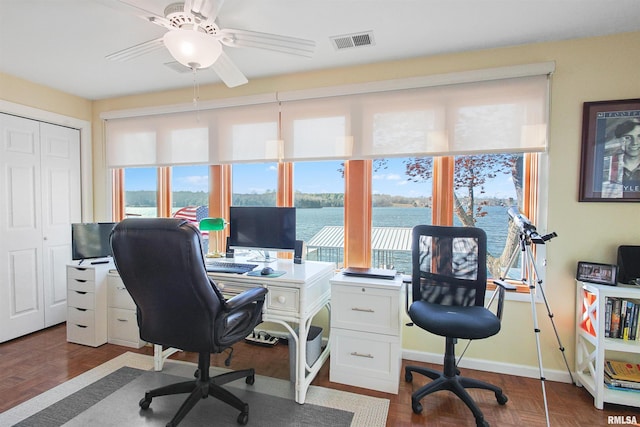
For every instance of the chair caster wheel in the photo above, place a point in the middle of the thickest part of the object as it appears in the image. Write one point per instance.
(145, 402)
(196, 374)
(416, 407)
(408, 377)
(501, 398)
(481, 422)
(243, 417)
(250, 379)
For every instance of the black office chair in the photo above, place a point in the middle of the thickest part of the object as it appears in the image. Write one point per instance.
(161, 263)
(449, 278)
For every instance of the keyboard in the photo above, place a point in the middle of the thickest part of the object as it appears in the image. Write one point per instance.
(229, 267)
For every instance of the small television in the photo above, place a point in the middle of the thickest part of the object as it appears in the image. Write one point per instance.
(91, 240)
(262, 228)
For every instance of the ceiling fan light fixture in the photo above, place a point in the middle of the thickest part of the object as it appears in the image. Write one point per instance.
(191, 48)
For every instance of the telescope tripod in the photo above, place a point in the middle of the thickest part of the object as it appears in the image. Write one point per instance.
(531, 278)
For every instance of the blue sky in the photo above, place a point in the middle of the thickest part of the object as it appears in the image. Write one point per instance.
(310, 177)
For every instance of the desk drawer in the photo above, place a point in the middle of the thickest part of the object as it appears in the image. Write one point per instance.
(365, 309)
(365, 360)
(81, 299)
(283, 299)
(118, 296)
(123, 325)
(81, 285)
(81, 273)
(81, 317)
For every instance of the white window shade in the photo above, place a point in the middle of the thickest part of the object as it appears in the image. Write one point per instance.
(507, 115)
(247, 134)
(170, 139)
(318, 129)
(503, 110)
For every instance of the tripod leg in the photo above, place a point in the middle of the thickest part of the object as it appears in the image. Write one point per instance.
(555, 330)
(536, 330)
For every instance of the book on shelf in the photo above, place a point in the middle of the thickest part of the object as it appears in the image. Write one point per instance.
(621, 383)
(615, 317)
(622, 371)
(619, 388)
(621, 318)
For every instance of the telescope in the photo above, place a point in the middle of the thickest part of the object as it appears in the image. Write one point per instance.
(528, 229)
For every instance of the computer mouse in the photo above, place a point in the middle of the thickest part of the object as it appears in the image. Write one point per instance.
(266, 271)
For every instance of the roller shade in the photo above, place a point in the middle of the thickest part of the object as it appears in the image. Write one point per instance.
(451, 115)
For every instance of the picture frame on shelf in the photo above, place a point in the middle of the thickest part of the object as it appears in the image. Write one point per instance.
(610, 157)
(592, 272)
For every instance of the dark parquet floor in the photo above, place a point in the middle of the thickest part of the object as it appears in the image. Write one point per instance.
(37, 362)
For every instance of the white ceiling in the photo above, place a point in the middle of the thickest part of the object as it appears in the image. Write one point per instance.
(63, 43)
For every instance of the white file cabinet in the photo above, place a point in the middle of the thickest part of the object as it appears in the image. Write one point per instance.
(87, 303)
(123, 325)
(366, 332)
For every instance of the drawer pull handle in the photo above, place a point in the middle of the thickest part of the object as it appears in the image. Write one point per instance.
(81, 281)
(282, 299)
(355, 353)
(120, 288)
(122, 320)
(80, 309)
(365, 310)
(81, 292)
(81, 326)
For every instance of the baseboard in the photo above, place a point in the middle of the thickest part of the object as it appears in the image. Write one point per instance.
(490, 366)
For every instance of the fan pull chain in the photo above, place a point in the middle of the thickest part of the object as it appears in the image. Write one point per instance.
(196, 94)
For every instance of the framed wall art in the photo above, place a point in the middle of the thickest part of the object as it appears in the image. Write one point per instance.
(604, 274)
(610, 161)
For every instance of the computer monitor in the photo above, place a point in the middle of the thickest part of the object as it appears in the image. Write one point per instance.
(262, 228)
(628, 263)
(91, 240)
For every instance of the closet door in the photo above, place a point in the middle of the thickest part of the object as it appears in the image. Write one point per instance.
(39, 198)
(60, 171)
(21, 297)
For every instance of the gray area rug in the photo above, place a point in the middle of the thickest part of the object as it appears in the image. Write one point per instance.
(109, 396)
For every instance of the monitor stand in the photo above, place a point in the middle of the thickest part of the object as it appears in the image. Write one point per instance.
(263, 257)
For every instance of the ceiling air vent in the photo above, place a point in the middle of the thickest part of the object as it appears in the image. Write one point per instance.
(353, 40)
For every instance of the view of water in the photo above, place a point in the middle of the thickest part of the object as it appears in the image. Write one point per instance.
(311, 221)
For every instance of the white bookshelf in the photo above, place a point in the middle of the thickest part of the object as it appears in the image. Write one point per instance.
(592, 346)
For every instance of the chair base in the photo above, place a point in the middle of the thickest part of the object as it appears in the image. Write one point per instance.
(451, 380)
(202, 387)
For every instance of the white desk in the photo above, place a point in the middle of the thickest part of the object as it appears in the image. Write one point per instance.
(295, 297)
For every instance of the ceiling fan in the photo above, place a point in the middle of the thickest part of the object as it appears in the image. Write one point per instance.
(197, 42)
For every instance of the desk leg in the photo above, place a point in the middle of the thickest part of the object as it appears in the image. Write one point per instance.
(301, 361)
(159, 356)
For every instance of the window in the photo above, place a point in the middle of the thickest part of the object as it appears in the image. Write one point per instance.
(189, 186)
(435, 126)
(254, 184)
(400, 202)
(141, 192)
(319, 197)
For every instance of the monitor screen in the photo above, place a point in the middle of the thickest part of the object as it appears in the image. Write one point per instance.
(91, 240)
(262, 228)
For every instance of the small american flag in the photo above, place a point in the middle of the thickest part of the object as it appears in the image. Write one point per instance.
(193, 214)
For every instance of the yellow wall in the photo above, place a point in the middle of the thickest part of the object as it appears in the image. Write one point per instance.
(590, 69)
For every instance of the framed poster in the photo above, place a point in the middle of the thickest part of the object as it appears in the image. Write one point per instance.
(610, 161)
(604, 274)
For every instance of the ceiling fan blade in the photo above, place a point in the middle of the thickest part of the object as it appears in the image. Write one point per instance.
(131, 9)
(228, 72)
(268, 41)
(136, 51)
(204, 10)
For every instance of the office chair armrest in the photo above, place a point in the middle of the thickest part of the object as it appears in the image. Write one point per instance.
(247, 297)
(501, 287)
(504, 285)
